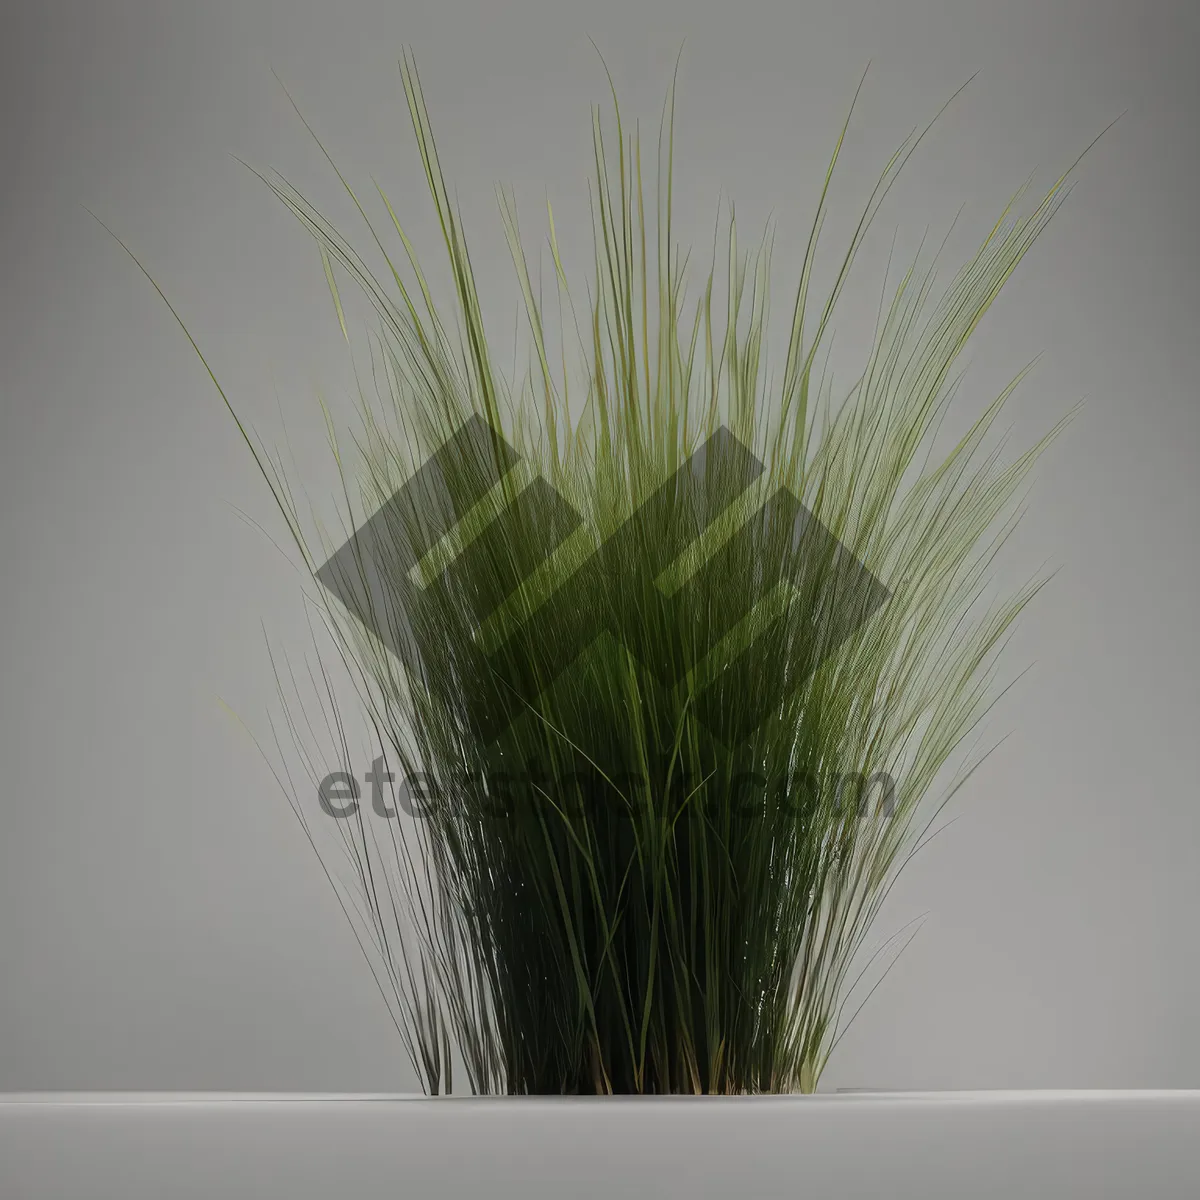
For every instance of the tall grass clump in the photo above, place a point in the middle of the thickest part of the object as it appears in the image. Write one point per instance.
(631, 680)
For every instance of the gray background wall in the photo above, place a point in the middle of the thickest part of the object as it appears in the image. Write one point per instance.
(163, 925)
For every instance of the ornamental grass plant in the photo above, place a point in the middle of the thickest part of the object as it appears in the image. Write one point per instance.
(677, 636)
